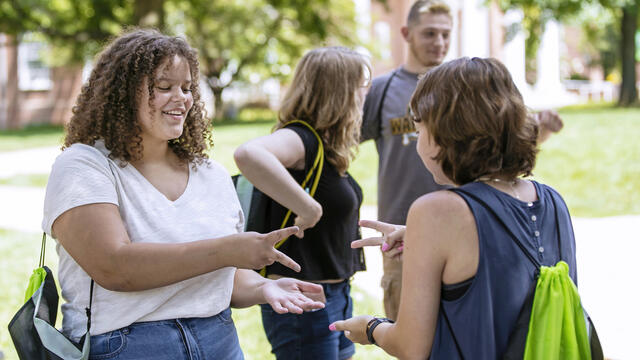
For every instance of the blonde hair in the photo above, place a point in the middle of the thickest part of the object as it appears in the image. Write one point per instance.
(427, 6)
(323, 93)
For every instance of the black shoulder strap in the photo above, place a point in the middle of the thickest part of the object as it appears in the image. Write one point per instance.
(384, 95)
(88, 310)
(41, 264)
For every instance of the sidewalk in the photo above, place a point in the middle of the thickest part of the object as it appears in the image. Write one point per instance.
(607, 252)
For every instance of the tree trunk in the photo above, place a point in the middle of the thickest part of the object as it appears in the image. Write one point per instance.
(12, 91)
(149, 13)
(218, 111)
(628, 90)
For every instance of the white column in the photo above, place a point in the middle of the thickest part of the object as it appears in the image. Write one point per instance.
(514, 50)
(475, 29)
(548, 58)
(549, 91)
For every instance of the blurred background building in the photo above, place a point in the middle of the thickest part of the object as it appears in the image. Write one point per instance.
(31, 92)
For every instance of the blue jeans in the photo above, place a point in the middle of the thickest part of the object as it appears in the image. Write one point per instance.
(307, 336)
(214, 337)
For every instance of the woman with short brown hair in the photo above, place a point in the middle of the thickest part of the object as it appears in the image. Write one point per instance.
(465, 279)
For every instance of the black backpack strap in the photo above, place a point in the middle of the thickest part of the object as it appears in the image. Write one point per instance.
(384, 95)
(88, 310)
(42, 254)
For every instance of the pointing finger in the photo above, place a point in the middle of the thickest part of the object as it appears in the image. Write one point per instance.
(376, 225)
(275, 236)
(337, 326)
(371, 241)
(287, 261)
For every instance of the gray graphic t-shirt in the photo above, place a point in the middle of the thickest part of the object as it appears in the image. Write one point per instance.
(402, 177)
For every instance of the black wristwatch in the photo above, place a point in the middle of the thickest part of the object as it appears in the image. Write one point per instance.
(372, 324)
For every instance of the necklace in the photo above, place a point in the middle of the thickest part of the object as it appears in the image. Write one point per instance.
(510, 183)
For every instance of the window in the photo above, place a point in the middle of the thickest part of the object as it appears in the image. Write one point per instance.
(33, 73)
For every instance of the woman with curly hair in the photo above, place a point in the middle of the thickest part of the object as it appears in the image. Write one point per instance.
(327, 93)
(137, 207)
(464, 278)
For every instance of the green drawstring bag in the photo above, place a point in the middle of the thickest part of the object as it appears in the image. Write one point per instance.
(36, 279)
(557, 327)
(552, 323)
(32, 328)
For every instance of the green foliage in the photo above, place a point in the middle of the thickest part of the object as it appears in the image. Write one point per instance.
(536, 14)
(235, 38)
(261, 38)
(75, 27)
(560, 8)
(601, 36)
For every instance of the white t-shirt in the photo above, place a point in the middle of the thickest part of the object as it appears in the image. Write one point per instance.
(208, 208)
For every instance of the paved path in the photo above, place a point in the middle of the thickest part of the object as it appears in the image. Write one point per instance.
(608, 251)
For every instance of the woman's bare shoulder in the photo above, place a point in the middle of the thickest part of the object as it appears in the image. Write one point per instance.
(443, 214)
(441, 204)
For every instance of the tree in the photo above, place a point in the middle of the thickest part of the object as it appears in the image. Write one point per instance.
(266, 37)
(626, 12)
(235, 38)
(628, 90)
(74, 28)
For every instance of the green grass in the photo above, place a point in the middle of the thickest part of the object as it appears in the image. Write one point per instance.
(31, 136)
(19, 256)
(594, 162)
(37, 180)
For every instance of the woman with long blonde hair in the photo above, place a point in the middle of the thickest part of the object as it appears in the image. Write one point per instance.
(326, 94)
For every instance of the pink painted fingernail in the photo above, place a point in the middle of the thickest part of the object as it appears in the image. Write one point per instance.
(332, 327)
(400, 248)
(385, 247)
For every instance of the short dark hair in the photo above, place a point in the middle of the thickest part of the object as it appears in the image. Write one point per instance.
(107, 107)
(426, 6)
(476, 115)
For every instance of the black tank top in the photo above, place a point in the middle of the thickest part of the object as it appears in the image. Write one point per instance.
(325, 251)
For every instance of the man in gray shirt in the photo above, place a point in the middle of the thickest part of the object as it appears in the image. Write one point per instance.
(402, 177)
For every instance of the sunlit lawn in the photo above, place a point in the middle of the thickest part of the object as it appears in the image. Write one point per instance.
(594, 162)
(32, 136)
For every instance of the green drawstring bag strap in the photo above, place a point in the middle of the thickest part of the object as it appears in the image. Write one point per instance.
(316, 169)
(557, 327)
(37, 278)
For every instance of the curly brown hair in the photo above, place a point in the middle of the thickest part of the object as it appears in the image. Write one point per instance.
(107, 106)
(475, 114)
(323, 93)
